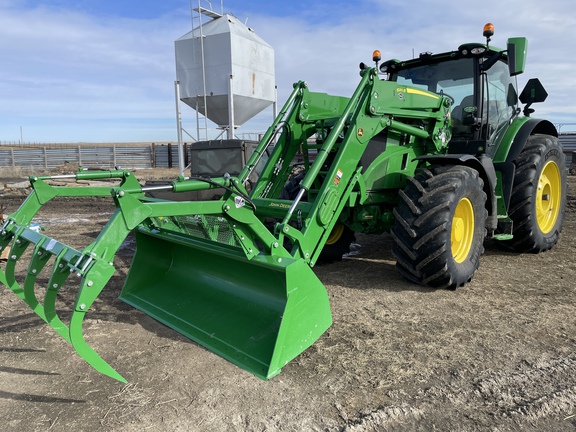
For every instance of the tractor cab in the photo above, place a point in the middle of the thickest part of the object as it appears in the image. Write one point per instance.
(480, 80)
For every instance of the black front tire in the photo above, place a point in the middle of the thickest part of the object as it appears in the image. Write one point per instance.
(440, 226)
(337, 245)
(341, 237)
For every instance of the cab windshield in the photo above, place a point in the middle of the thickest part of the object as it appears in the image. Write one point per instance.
(454, 78)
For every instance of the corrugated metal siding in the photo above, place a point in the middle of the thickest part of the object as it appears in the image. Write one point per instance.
(568, 141)
(166, 156)
(90, 157)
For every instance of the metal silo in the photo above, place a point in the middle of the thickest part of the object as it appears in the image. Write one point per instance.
(224, 70)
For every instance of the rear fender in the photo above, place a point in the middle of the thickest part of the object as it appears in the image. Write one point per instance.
(517, 134)
(511, 146)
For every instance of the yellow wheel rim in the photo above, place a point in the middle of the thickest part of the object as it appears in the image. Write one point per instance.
(335, 234)
(548, 196)
(462, 235)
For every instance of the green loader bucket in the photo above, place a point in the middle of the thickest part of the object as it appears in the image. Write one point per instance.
(259, 314)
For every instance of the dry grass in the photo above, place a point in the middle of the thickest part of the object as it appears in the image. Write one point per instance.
(157, 173)
(23, 173)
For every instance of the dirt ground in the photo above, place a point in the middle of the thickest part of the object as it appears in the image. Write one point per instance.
(498, 354)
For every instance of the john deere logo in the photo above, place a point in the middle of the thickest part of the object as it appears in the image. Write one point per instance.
(360, 132)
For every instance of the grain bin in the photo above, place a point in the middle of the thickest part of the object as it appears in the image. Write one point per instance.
(225, 71)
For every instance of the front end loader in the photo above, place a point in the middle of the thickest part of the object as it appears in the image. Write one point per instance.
(432, 150)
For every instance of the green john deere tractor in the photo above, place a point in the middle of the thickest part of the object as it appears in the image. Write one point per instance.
(434, 150)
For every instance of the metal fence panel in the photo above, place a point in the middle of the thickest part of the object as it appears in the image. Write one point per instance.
(103, 156)
(569, 147)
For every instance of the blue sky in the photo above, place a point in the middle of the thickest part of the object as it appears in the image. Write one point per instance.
(90, 71)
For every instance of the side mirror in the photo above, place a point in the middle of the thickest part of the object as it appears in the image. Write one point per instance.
(517, 55)
(533, 92)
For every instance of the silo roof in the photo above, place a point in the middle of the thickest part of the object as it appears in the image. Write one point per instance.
(226, 24)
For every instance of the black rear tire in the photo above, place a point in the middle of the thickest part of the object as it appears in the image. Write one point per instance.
(538, 200)
(440, 226)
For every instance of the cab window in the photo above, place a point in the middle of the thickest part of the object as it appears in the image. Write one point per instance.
(500, 99)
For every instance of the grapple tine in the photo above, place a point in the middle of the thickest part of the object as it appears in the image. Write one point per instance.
(5, 239)
(93, 281)
(19, 246)
(39, 259)
(86, 352)
(60, 273)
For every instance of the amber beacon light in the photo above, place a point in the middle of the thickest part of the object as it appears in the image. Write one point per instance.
(488, 30)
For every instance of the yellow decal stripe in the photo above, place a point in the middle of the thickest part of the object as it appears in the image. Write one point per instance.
(422, 93)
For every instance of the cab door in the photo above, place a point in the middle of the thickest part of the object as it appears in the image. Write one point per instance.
(499, 104)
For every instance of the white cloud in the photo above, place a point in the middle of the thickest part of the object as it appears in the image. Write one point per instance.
(71, 69)
(327, 55)
(62, 71)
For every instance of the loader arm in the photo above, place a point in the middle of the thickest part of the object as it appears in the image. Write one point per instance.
(346, 126)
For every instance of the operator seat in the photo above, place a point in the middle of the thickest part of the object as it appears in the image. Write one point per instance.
(460, 131)
(458, 110)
